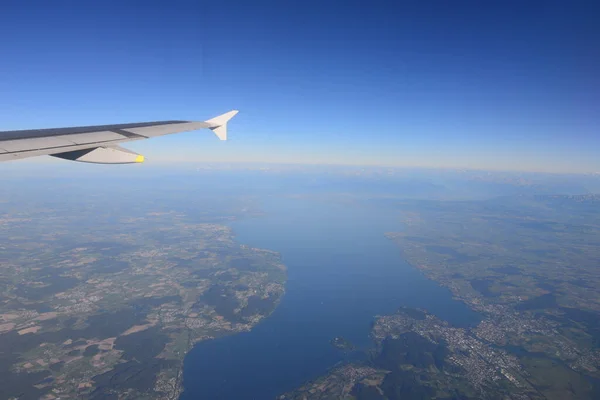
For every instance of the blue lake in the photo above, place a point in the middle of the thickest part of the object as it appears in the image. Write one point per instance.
(342, 271)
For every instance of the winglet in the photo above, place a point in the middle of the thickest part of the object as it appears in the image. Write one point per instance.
(219, 124)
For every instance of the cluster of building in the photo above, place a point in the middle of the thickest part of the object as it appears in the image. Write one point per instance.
(482, 363)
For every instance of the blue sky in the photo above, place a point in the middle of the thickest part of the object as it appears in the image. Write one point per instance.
(475, 84)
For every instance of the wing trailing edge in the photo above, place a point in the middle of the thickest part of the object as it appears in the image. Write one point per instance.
(102, 155)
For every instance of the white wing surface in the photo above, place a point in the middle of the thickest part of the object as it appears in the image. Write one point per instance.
(99, 144)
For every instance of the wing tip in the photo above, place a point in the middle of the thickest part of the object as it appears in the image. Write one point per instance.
(219, 124)
(222, 119)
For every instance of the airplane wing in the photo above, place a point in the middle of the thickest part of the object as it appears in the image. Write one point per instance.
(98, 144)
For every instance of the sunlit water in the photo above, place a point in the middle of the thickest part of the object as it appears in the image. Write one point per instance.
(342, 271)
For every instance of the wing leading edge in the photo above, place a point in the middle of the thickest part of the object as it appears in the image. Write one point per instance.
(99, 144)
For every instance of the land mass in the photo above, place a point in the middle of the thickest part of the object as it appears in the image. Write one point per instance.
(341, 343)
(100, 308)
(528, 266)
